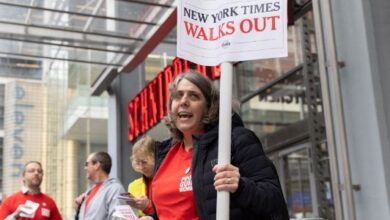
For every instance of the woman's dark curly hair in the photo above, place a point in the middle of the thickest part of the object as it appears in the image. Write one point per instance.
(209, 91)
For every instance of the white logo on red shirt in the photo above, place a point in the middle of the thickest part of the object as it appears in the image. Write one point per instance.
(185, 184)
(45, 212)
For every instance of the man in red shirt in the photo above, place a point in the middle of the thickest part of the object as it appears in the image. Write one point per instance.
(30, 203)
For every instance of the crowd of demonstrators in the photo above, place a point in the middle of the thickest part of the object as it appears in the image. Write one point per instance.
(30, 203)
(100, 201)
(142, 160)
(186, 181)
(180, 178)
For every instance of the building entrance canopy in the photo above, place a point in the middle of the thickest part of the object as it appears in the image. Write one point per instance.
(102, 33)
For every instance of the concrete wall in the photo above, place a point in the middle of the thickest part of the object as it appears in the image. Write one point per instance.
(124, 87)
(381, 29)
(362, 31)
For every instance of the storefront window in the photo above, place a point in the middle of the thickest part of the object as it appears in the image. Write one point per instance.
(255, 74)
(298, 184)
(274, 96)
(277, 106)
(272, 91)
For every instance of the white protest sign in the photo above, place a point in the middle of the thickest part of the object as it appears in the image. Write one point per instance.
(124, 212)
(210, 32)
(28, 209)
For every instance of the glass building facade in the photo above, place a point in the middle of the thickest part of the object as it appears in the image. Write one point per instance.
(328, 141)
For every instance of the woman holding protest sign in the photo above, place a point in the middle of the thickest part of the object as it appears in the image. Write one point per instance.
(187, 179)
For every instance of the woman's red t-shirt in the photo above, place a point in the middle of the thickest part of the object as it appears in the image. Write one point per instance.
(172, 186)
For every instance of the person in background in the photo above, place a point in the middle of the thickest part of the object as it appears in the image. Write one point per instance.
(19, 204)
(186, 181)
(100, 201)
(142, 160)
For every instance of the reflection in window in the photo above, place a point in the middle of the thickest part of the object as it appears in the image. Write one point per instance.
(277, 106)
(272, 91)
(20, 68)
(297, 182)
(255, 74)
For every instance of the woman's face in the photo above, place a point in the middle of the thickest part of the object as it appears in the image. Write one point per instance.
(144, 163)
(188, 108)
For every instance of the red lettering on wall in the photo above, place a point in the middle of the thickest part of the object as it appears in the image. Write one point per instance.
(186, 66)
(167, 81)
(152, 103)
(144, 111)
(131, 133)
(160, 106)
(215, 72)
(201, 69)
(177, 67)
(135, 116)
